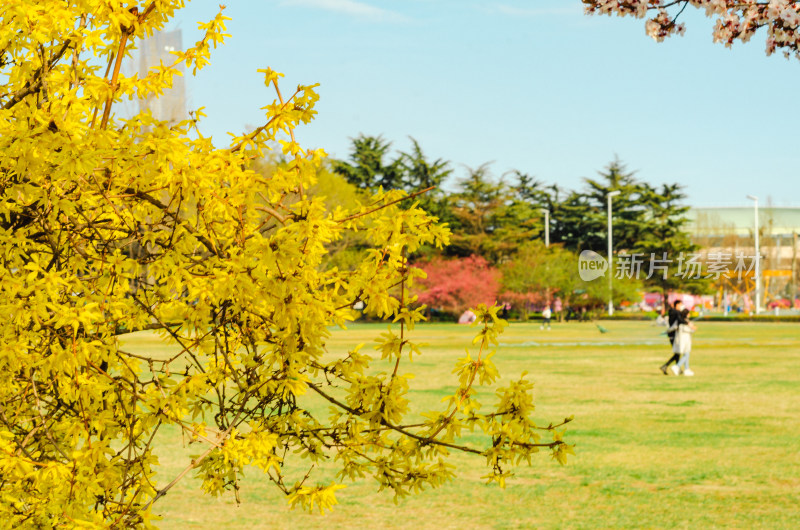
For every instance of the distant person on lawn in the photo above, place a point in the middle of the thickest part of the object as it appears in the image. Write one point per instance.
(546, 315)
(673, 316)
(467, 317)
(683, 344)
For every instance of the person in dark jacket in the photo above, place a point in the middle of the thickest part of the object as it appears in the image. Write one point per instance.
(674, 316)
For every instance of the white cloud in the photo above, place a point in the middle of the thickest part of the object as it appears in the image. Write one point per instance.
(349, 7)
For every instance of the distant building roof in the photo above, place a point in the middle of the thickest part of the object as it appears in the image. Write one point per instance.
(739, 221)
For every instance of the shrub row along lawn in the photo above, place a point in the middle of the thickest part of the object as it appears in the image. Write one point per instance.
(718, 449)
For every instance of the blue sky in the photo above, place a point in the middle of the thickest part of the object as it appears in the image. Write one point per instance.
(536, 86)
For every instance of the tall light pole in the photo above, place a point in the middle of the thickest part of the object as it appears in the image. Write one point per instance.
(546, 213)
(610, 255)
(757, 256)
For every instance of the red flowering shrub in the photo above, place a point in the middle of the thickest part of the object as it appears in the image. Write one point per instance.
(455, 285)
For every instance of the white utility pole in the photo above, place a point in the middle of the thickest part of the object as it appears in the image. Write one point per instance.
(546, 213)
(757, 258)
(610, 255)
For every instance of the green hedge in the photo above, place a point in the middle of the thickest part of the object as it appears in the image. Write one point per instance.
(628, 316)
(710, 318)
(752, 318)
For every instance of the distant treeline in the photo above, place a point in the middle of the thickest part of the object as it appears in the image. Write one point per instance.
(497, 250)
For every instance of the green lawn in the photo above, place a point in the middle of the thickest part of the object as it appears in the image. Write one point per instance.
(721, 449)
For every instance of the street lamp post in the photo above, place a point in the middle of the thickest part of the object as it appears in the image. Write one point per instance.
(610, 255)
(546, 213)
(757, 257)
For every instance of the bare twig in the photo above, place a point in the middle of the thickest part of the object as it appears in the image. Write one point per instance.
(381, 207)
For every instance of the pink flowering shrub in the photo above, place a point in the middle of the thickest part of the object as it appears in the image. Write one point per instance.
(454, 285)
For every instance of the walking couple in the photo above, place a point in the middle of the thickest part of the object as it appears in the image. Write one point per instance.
(680, 337)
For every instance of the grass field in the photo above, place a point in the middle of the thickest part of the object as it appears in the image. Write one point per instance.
(721, 449)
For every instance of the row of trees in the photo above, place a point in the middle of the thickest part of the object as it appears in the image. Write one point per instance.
(536, 276)
(497, 219)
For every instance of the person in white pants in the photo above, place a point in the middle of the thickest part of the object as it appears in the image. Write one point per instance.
(683, 344)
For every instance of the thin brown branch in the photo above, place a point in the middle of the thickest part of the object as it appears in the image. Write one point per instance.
(194, 463)
(38, 77)
(381, 207)
(165, 208)
(271, 211)
(123, 41)
(396, 428)
(258, 130)
(44, 422)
